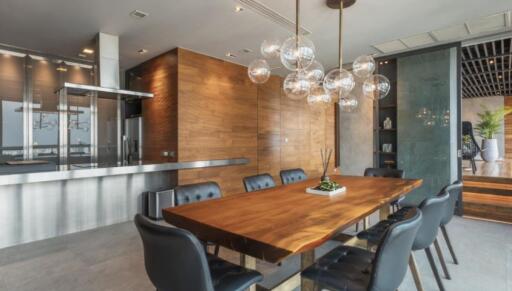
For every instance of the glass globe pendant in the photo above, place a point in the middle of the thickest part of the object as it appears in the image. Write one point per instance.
(377, 87)
(296, 85)
(317, 95)
(339, 83)
(270, 48)
(259, 71)
(348, 104)
(363, 66)
(315, 72)
(297, 52)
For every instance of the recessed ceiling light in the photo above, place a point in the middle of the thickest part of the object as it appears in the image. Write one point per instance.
(491, 62)
(247, 50)
(82, 55)
(142, 51)
(88, 51)
(230, 55)
(138, 14)
(239, 9)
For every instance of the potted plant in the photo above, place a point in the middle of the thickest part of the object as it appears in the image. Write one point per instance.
(488, 126)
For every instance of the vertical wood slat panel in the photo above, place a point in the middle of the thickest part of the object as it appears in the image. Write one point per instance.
(508, 130)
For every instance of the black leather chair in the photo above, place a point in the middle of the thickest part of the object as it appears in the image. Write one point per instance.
(433, 210)
(292, 176)
(385, 173)
(455, 191)
(175, 261)
(470, 148)
(258, 182)
(185, 194)
(352, 269)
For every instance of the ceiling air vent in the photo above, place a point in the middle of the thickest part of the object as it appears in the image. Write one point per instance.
(138, 14)
(262, 10)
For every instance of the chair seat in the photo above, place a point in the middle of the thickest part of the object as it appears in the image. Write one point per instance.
(227, 276)
(344, 268)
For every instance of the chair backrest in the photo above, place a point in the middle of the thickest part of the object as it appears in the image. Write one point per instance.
(292, 176)
(384, 172)
(433, 209)
(392, 256)
(190, 193)
(454, 190)
(258, 182)
(467, 129)
(174, 258)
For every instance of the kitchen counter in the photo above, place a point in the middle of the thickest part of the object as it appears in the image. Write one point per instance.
(91, 171)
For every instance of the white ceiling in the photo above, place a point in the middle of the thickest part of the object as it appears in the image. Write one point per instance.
(212, 27)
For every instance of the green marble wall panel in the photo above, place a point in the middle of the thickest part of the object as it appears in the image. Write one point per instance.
(426, 83)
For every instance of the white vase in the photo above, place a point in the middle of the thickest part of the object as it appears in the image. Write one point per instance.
(490, 151)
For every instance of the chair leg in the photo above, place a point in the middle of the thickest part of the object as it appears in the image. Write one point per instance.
(449, 243)
(434, 269)
(216, 250)
(441, 259)
(415, 273)
(473, 165)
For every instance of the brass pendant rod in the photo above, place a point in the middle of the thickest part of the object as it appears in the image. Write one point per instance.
(340, 50)
(297, 27)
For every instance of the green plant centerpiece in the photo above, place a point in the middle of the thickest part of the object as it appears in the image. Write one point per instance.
(488, 127)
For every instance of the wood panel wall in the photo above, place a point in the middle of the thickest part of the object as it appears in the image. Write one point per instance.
(508, 129)
(160, 120)
(221, 114)
(217, 119)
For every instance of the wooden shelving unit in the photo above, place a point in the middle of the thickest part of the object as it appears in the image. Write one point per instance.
(383, 108)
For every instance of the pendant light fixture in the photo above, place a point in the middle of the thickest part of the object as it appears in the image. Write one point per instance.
(340, 82)
(297, 54)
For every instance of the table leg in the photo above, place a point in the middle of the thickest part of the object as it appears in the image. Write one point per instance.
(307, 259)
(249, 263)
(384, 211)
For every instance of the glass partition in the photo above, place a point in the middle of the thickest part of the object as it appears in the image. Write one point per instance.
(12, 81)
(426, 115)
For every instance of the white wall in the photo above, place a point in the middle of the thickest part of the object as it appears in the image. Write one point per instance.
(472, 106)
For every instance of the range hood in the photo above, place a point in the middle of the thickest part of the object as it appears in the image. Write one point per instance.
(107, 73)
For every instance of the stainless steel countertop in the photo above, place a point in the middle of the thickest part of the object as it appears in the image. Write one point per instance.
(102, 171)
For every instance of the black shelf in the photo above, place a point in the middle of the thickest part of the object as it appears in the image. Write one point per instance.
(386, 108)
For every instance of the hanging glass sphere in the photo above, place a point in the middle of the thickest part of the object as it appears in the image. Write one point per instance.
(363, 66)
(422, 113)
(296, 85)
(259, 71)
(297, 52)
(348, 104)
(315, 71)
(377, 87)
(270, 48)
(317, 95)
(338, 83)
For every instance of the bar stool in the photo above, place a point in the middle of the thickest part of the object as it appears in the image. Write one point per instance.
(352, 269)
(175, 260)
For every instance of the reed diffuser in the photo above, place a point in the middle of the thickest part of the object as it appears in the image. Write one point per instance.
(326, 158)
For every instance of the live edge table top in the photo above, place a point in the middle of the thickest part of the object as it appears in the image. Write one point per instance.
(275, 223)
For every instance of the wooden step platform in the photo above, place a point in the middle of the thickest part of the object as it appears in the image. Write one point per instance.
(488, 198)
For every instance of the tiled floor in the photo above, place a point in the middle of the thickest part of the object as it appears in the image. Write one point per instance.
(110, 258)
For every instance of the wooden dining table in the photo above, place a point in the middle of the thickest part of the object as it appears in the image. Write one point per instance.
(279, 222)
